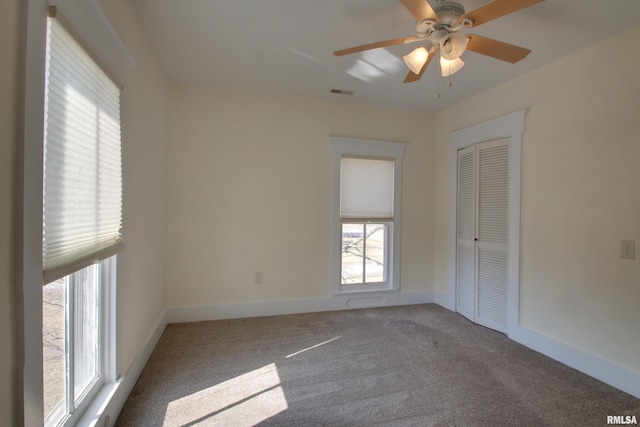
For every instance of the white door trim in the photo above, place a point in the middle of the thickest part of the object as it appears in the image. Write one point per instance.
(509, 127)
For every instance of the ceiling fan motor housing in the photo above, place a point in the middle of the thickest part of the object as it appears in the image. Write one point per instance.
(449, 13)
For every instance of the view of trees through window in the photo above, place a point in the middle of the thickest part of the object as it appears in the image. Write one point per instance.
(53, 337)
(71, 325)
(363, 252)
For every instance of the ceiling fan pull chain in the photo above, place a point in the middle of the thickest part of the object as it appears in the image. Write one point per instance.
(438, 80)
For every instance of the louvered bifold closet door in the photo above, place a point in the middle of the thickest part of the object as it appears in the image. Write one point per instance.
(465, 234)
(492, 202)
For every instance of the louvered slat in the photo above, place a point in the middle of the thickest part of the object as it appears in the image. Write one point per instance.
(465, 282)
(465, 268)
(466, 195)
(493, 228)
(493, 194)
(492, 285)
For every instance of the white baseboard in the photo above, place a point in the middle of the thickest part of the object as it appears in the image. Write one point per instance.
(604, 370)
(294, 306)
(444, 300)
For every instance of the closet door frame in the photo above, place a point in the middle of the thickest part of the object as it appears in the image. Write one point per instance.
(508, 127)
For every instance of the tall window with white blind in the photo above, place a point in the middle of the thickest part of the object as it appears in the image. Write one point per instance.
(366, 214)
(82, 221)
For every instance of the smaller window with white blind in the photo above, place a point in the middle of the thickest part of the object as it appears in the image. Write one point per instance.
(366, 189)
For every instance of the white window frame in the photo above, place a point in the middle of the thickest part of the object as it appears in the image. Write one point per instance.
(388, 230)
(93, 27)
(365, 148)
(106, 351)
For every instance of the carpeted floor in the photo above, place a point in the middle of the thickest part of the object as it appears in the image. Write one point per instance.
(416, 365)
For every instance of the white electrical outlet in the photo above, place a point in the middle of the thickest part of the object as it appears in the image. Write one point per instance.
(257, 277)
(627, 249)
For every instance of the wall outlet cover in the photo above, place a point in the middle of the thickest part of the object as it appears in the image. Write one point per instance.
(627, 249)
(257, 277)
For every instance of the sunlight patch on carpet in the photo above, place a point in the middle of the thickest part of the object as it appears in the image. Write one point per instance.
(252, 397)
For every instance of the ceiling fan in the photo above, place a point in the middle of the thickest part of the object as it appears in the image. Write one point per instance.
(438, 27)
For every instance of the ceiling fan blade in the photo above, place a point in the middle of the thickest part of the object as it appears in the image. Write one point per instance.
(375, 45)
(496, 9)
(413, 77)
(496, 49)
(420, 9)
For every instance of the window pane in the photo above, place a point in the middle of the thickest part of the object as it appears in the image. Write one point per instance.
(375, 254)
(86, 294)
(76, 318)
(352, 253)
(53, 338)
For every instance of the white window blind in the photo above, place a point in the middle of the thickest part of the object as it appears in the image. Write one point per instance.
(82, 197)
(366, 188)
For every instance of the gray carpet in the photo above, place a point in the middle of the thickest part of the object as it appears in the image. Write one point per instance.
(417, 365)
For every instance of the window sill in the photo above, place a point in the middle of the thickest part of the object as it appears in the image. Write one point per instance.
(365, 292)
(96, 414)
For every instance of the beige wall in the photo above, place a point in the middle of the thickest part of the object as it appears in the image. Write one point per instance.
(9, 31)
(141, 282)
(580, 195)
(249, 189)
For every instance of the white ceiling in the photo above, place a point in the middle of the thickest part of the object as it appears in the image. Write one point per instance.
(285, 46)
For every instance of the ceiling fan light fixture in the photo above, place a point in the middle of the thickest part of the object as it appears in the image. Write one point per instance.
(449, 67)
(452, 46)
(439, 26)
(416, 59)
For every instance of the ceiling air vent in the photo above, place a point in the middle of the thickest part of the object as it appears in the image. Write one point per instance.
(341, 92)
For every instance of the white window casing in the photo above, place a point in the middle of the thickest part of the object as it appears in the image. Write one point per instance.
(92, 29)
(366, 188)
